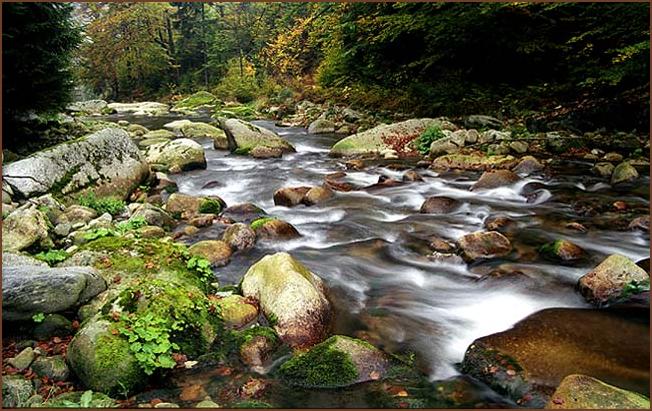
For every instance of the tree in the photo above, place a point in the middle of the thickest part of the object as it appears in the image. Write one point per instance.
(38, 42)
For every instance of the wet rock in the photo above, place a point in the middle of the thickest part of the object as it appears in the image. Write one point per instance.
(497, 222)
(290, 196)
(202, 220)
(151, 231)
(529, 360)
(563, 250)
(616, 278)
(482, 121)
(337, 362)
(243, 213)
(528, 165)
(275, 229)
(266, 152)
(624, 173)
(196, 130)
(412, 176)
(439, 205)
(448, 258)
(177, 155)
(484, 245)
(394, 137)
(317, 195)
(23, 360)
(54, 325)
(384, 182)
(495, 179)
(578, 391)
(53, 367)
(237, 311)
(355, 165)
(153, 215)
(137, 130)
(103, 361)
(613, 157)
(25, 228)
(239, 237)
(603, 169)
(216, 251)
(29, 290)
(321, 126)
(576, 227)
(16, 391)
(259, 343)
(244, 136)
(187, 206)
(291, 297)
(640, 223)
(106, 162)
(519, 146)
(473, 162)
(440, 245)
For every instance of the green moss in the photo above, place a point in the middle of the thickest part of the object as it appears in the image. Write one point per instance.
(58, 187)
(634, 287)
(210, 206)
(323, 366)
(250, 333)
(259, 222)
(251, 404)
(112, 350)
(200, 98)
(432, 133)
(243, 151)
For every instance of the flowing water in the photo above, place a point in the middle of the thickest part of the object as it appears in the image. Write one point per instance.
(365, 245)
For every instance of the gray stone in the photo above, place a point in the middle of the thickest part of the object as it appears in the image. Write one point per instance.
(10, 259)
(62, 229)
(177, 155)
(23, 360)
(24, 228)
(16, 391)
(321, 126)
(153, 215)
(54, 325)
(244, 136)
(482, 121)
(53, 367)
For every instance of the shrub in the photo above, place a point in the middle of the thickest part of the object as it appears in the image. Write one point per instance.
(111, 205)
(423, 142)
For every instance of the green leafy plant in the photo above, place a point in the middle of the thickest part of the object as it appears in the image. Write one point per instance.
(202, 266)
(88, 399)
(132, 224)
(210, 206)
(111, 205)
(149, 340)
(38, 317)
(423, 142)
(96, 233)
(52, 257)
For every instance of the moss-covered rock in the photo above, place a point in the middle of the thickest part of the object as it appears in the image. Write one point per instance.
(216, 251)
(562, 250)
(244, 136)
(274, 229)
(583, 392)
(256, 345)
(195, 130)
(153, 215)
(243, 213)
(187, 206)
(177, 155)
(475, 162)
(196, 100)
(236, 311)
(614, 279)
(25, 228)
(624, 173)
(16, 390)
(337, 362)
(292, 298)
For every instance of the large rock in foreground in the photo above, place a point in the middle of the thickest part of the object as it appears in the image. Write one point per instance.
(29, 290)
(337, 362)
(106, 162)
(243, 137)
(292, 298)
(616, 278)
(528, 361)
(177, 155)
(373, 142)
(583, 392)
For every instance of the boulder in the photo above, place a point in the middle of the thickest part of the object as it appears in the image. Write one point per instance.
(146, 108)
(624, 173)
(187, 206)
(10, 259)
(244, 136)
(254, 351)
(519, 146)
(292, 298)
(603, 169)
(25, 228)
(197, 100)
(266, 152)
(482, 121)
(29, 290)
(321, 126)
(273, 229)
(176, 125)
(106, 162)
(395, 137)
(412, 176)
(317, 195)
(239, 237)
(578, 391)
(54, 325)
(290, 196)
(16, 390)
(528, 165)
(216, 251)
(153, 215)
(23, 360)
(237, 311)
(177, 155)
(161, 135)
(53, 367)
(137, 130)
(203, 130)
(89, 107)
(495, 179)
(613, 157)
(103, 361)
(243, 213)
(77, 214)
(439, 205)
(483, 245)
(616, 278)
(473, 162)
(529, 360)
(563, 250)
(339, 361)
(445, 145)
(351, 115)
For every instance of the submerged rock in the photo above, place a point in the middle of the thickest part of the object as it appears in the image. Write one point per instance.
(292, 298)
(25, 228)
(177, 155)
(578, 391)
(484, 244)
(244, 136)
(339, 361)
(439, 205)
(106, 162)
(616, 278)
(640, 223)
(529, 360)
(495, 179)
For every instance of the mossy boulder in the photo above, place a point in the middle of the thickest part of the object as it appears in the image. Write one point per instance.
(202, 130)
(153, 215)
(528, 361)
(614, 279)
(196, 100)
(103, 360)
(244, 136)
(237, 311)
(26, 228)
(583, 392)
(216, 251)
(187, 206)
(177, 155)
(321, 126)
(484, 245)
(624, 173)
(562, 250)
(474, 162)
(337, 362)
(292, 298)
